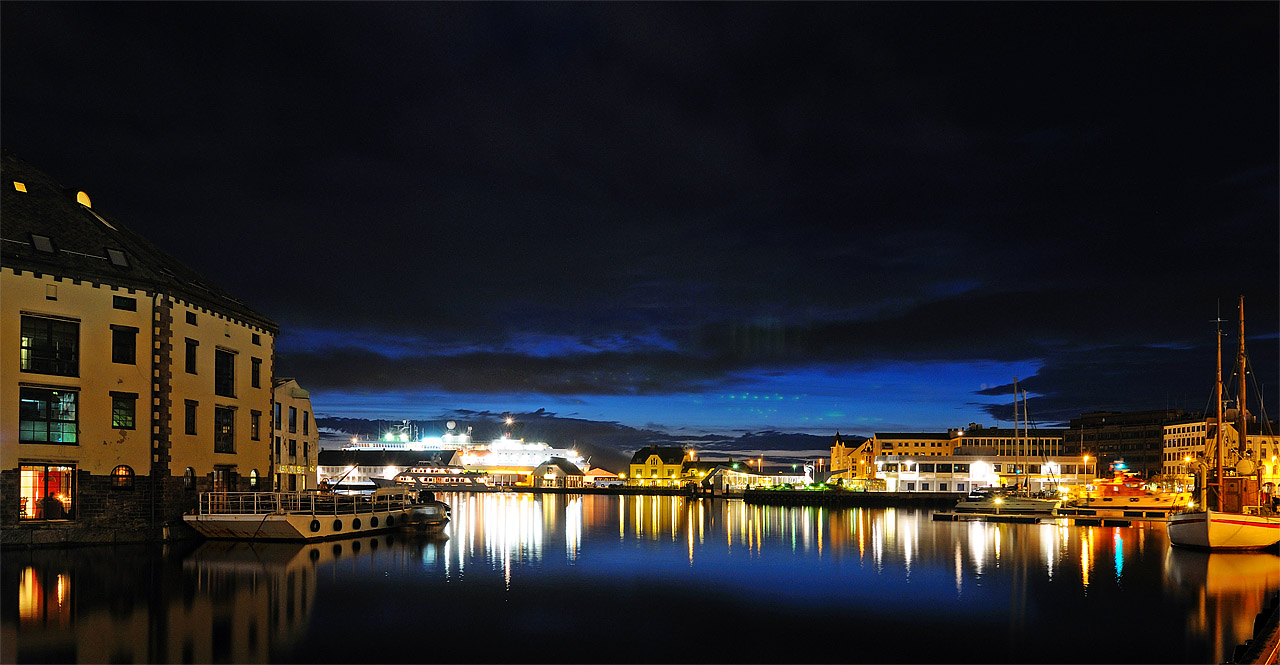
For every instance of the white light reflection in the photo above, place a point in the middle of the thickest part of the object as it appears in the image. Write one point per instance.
(573, 528)
(959, 570)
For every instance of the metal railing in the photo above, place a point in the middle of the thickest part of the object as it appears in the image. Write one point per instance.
(306, 503)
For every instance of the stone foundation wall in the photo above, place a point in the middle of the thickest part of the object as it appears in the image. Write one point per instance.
(103, 513)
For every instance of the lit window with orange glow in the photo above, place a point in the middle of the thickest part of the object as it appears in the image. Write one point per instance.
(21, 187)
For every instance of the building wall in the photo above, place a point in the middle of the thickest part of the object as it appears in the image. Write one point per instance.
(213, 332)
(1136, 437)
(655, 471)
(156, 448)
(295, 466)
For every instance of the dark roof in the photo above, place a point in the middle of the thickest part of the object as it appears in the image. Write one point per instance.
(569, 468)
(384, 457)
(92, 246)
(913, 435)
(668, 454)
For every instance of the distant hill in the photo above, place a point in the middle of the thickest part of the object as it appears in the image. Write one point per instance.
(607, 444)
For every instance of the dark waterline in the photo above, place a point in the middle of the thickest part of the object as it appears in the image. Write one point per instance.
(553, 578)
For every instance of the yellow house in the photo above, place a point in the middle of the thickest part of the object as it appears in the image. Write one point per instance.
(851, 460)
(295, 442)
(130, 383)
(660, 466)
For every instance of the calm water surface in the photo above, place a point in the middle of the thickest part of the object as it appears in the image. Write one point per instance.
(524, 578)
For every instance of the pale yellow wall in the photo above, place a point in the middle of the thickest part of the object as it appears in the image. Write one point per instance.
(213, 331)
(100, 448)
(290, 394)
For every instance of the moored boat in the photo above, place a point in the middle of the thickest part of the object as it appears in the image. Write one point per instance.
(1219, 530)
(1231, 514)
(1008, 502)
(1125, 495)
(311, 515)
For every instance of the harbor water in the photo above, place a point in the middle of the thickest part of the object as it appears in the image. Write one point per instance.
(568, 578)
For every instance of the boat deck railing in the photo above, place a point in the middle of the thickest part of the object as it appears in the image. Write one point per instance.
(306, 503)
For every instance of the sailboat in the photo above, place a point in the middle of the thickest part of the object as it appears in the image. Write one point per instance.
(1018, 500)
(1230, 515)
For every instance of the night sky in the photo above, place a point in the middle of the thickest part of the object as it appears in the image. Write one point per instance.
(694, 218)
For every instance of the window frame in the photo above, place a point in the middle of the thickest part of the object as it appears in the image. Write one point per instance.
(124, 351)
(224, 372)
(224, 429)
(122, 477)
(27, 394)
(49, 345)
(124, 410)
(40, 498)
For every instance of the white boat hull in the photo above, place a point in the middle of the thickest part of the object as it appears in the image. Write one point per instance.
(1010, 506)
(1228, 531)
(297, 527)
(310, 516)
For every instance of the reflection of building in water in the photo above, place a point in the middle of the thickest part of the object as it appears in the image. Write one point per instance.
(229, 602)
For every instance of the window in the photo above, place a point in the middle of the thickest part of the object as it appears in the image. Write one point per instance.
(306, 451)
(189, 478)
(191, 318)
(127, 304)
(191, 355)
(278, 449)
(306, 422)
(224, 430)
(47, 415)
(275, 422)
(962, 468)
(255, 427)
(118, 258)
(50, 346)
(191, 416)
(122, 478)
(942, 487)
(911, 487)
(293, 420)
(995, 467)
(46, 492)
(253, 479)
(924, 468)
(124, 345)
(42, 243)
(944, 468)
(256, 339)
(123, 408)
(293, 449)
(224, 373)
(255, 372)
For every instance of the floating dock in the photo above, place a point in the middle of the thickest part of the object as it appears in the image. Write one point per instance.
(1075, 520)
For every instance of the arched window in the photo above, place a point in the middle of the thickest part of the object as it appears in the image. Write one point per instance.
(189, 478)
(253, 480)
(122, 478)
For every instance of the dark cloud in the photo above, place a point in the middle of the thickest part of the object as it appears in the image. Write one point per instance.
(729, 187)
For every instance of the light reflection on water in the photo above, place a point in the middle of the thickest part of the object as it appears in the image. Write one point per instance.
(512, 570)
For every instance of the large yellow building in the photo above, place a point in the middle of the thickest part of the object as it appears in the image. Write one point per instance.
(128, 382)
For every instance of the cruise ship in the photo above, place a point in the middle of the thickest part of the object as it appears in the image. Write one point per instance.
(508, 461)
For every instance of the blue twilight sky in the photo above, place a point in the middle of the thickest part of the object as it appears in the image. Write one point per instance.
(688, 217)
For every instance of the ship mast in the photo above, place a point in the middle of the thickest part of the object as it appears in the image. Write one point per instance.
(1217, 479)
(1242, 418)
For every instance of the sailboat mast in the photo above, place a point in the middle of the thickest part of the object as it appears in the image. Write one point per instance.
(1217, 480)
(1242, 419)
